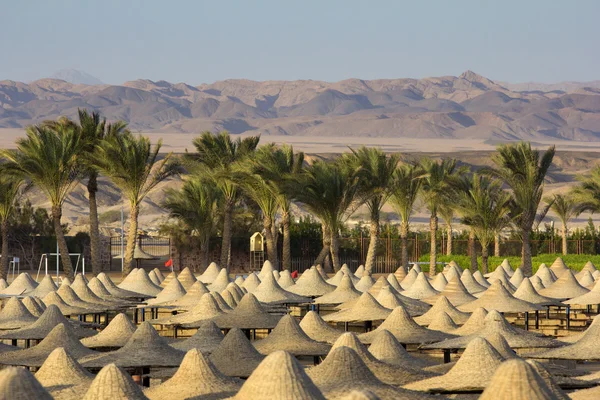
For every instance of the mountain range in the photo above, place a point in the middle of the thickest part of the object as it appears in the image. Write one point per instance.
(467, 106)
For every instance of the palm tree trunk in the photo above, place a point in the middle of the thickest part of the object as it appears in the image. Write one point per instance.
(335, 250)
(564, 239)
(449, 241)
(473, 251)
(287, 251)
(62, 242)
(484, 258)
(404, 243)
(373, 242)
(526, 253)
(226, 241)
(326, 246)
(271, 241)
(497, 245)
(92, 188)
(204, 252)
(131, 238)
(4, 261)
(433, 226)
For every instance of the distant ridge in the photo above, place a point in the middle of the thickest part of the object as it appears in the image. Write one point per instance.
(468, 106)
(76, 77)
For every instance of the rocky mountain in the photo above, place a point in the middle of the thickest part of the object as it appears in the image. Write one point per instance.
(467, 106)
(76, 77)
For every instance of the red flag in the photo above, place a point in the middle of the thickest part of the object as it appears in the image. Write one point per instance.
(295, 274)
(169, 263)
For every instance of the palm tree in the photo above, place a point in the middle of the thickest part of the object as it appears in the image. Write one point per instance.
(196, 207)
(11, 189)
(485, 208)
(446, 211)
(438, 183)
(215, 157)
(50, 158)
(376, 176)
(523, 171)
(331, 191)
(565, 208)
(133, 165)
(406, 188)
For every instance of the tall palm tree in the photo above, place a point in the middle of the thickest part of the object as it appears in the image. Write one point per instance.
(485, 208)
(446, 211)
(215, 157)
(196, 206)
(565, 207)
(11, 189)
(331, 191)
(523, 170)
(132, 163)
(50, 158)
(406, 188)
(438, 183)
(376, 176)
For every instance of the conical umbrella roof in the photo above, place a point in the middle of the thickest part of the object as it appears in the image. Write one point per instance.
(386, 348)
(130, 276)
(420, 289)
(439, 282)
(343, 371)
(479, 356)
(158, 274)
(558, 267)
(228, 298)
(311, 284)
(389, 298)
(589, 267)
(235, 355)
(285, 280)
(517, 277)
(497, 273)
(239, 280)
(587, 280)
(517, 380)
(190, 299)
(474, 324)
(207, 308)
(251, 282)
(504, 279)
(443, 323)
(15, 315)
(235, 290)
(478, 276)
(379, 283)
(359, 271)
(17, 383)
(321, 271)
(400, 273)
(206, 339)
(455, 292)
(221, 302)
(172, 292)
(550, 381)
(409, 279)
(63, 376)
(288, 336)
(546, 275)
(249, 314)
(343, 292)
(501, 345)
(36, 309)
(116, 334)
(112, 383)
(416, 268)
(527, 292)
(154, 278)
(170, 276)
(313, 325)
(498, 298)
(82, 290)
(452, 272)
(365, 309)
(537, 283)
(46, 286)
(23, 283)
(210, 273)
(565, 287)
(470, 283)
(145, 348)
(139, 254)
(337, 277)
(69, 296)
(507, 267)
(113, 289)
(60, 336)
(393, 281)
(279, 377)
(270, 292)
(365, 283)
(442, 305)
(187, 278)
(590, 298)
(197, 377)
(267, 269)
(220, 282)
(405, 329)
(140, 284)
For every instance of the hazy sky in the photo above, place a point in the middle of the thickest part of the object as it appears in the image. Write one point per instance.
(205, 41)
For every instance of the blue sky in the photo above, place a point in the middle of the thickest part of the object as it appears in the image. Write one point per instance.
(205, 41)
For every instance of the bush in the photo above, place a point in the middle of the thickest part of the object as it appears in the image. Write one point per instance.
(109, 217)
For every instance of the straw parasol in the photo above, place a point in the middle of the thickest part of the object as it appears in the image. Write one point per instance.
(442, 305)
(409, 279)
(517, 380)
(140, 284)
(228, 298)
(359, 271)
(31, 304)
(60, 336)
(220, 282)
(206, 339)
(23, 283)
(474, 324)
(365, 309)
(313, 325)
(565, 287)
(46, 286)
(145, 348)
(267, 269)
(389, 298)
(470, 283)
(393, 281)
(249, 314)
(276, 275)
(270, 292)
(343, 371)
(588, 267)
(221, 302)
(537, 283)
(420, 289)
(586, 394)
(112, 383)
(527, 292)
(478, 276)
(170, 276)
(504, 279)
(400, 273)
(74, 302)
(452, 272)
(159, 274)
(546, 275)
(116, 334)
(365, 283)
(586, 279)
(558, 267)
(321, 271)
(83, 291)
(197, 377)
(251, 282)
(387, 349)
(345, 291)
(190, 299)
(501, 345)
(173, 291)
(517, 277)
(455, 292)
(187, 278)
(443, 323)
(63, 376)
(288, 336)
(235, 355)
(405, 329)
(117, 291)
(479, 357)
(154, 278)
(210, 273)
(15, 315)
(550, 381)
(311, 284)
(498, 298)
(279, 377)
(207, 308)
(17, 383)
(439, 282)
(589, 298)
(44, 324)
(285, 279)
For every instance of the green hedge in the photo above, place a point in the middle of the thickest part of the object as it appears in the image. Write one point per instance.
(574, 261)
